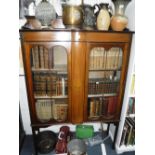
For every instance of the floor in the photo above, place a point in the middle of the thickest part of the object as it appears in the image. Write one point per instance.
(27, 148)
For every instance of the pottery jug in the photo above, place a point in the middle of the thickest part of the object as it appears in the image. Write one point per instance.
(89, 16)
(103, 17)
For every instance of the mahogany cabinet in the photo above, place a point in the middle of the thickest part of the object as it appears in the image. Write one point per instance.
(75, 76)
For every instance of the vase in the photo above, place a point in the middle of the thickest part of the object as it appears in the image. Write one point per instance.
(103, 17)
(45, 12)
(119, 21)
(32, 23)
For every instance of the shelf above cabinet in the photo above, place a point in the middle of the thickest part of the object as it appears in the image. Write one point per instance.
(50, 97)
(102, 95)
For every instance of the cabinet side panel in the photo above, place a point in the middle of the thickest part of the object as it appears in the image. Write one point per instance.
(78, 79)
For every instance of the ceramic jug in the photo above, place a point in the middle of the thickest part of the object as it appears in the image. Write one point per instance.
(89, 16)
(103, 17)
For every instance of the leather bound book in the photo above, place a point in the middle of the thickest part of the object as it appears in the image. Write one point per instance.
(112, 102)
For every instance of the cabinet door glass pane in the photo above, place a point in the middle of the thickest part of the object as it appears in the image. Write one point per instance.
(103, 81)
(50, 82)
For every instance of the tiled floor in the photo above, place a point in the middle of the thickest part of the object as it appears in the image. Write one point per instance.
(27, 148)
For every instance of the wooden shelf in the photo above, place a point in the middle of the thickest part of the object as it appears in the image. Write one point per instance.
(95, 70)
(102, 95)
(132, 95)
(50, 97)
(62, 71)
(131, 115)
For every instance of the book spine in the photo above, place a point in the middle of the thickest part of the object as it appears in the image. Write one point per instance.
(36, 53)
(92, 108)
(41, 56)
(46, 58)
(51, 59)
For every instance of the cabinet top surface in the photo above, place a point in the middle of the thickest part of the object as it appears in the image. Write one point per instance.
(73, 30)
(75, 35)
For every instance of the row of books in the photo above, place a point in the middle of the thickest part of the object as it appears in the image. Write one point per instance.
(100, 86)
(105, 74)
(128, 134)
(49, 84)
(102, 106)
(131, 106)
(47, 110)
(41, 57)
(102, 59)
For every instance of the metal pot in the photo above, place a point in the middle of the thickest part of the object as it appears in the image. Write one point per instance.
(46, 141)
(76, 147)
(72, 15)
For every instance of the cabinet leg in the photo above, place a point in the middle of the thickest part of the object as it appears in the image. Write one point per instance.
(115, 135)
(34, 142)
(108, 128)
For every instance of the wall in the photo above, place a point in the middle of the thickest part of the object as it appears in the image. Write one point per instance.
(130, 12)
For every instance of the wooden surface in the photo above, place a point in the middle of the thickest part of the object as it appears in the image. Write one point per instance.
(78, 45)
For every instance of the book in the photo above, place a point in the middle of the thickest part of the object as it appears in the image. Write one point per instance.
(100, 106)
(114, 52)
(104, 106)
(92, 108)
(36, 57)
(46, 58)
(132, 89)
(123, 135)
(51, 59)
(33, 58)
(120, 59)
(97, 107)
(117, 59)
(91, 59)
(129, 132)
(41, 57)
(112, 103)
(131, 105)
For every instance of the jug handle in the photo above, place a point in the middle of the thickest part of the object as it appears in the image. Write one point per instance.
(98, 9)
(110, 10)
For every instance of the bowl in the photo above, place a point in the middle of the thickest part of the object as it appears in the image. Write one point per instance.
(76, 147)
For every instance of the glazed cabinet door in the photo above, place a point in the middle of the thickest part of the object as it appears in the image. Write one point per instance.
(106, 65)
(48, 68)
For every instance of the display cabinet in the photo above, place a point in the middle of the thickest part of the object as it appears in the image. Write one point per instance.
(75, 76)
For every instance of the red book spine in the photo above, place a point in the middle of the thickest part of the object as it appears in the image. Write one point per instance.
(112, 103)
